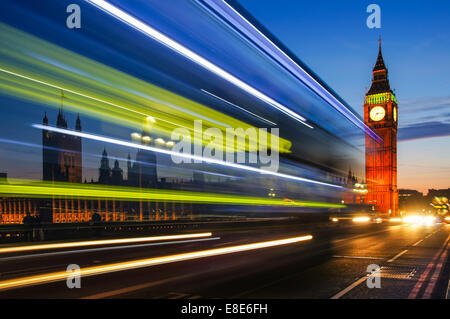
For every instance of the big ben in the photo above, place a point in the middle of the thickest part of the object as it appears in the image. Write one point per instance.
(380, 114)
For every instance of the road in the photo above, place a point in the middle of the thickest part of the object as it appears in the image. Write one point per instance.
(412, 260)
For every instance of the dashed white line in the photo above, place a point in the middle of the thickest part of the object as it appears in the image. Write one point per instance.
(353, 285)
(417, 243)
(398, 255)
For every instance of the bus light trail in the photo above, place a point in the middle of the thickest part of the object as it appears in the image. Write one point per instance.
(101, 242)
(189, 54)
(97, 270)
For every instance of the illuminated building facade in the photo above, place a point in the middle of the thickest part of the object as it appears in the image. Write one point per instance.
(380, 114)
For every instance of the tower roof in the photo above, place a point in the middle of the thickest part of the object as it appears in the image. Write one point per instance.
(380, 81)
(379, 65)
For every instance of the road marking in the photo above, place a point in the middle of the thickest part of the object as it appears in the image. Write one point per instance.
(357, 257)
(353, 285)
(105, 248)
(447, 294)
(396, 256)
(421, 281)
(435, 276)
(417, 243)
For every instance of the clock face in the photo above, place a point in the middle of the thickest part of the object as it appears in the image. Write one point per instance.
(377, 113)
(395, 114)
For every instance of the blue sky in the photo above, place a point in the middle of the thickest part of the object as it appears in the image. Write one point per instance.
(332, 38)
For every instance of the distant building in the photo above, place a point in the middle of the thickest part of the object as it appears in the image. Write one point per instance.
(439, 193)
(116, 174)
(104, 172)
(61, 153)
(411, 200)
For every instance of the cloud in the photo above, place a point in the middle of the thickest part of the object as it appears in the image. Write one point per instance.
(415, 111)
(424, 130)
(424, 118)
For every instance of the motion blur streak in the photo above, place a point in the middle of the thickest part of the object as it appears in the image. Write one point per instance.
(178, 154)
(96, 270)
(233, 17)
(240, 108)
(158, 36)
(101, 242)
(38, 71)
(18, 188)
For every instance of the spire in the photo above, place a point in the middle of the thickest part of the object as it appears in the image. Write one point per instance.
(380, 81)
(61, 121)
(78, 123)
(45, 119)
(105, 154)
(379, 65)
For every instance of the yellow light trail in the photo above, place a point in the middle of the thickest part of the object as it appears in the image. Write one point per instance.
(37, 70)
(97, 270)
(101, 242)
(40, 189)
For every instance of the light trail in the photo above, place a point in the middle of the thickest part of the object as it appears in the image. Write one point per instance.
(146, 115)
(38, 69)
(283, 147)
(238, 21)
(240, 108)
(39, 189)
(108, 248)
(177, 154)
(100, 242)
(97, 270)
(189, 54)
(73, 92)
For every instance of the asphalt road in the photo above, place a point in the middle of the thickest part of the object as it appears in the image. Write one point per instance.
(412, 260)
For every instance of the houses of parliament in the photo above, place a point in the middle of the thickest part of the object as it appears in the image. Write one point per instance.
(62, 162)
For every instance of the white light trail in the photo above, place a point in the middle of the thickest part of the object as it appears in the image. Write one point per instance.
(241, 108)
(177, 47)
(183, 155)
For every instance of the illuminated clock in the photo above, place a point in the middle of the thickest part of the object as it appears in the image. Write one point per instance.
(377, 113)
(395, 114)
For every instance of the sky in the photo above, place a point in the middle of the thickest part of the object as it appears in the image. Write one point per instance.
(332, 38)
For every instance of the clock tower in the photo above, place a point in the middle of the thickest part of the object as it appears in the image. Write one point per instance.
(380, 114)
